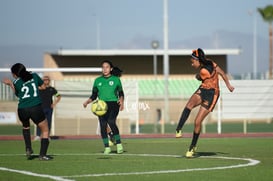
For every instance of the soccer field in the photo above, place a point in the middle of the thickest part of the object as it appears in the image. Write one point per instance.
(143, 159)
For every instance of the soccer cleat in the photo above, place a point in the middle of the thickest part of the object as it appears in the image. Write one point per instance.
(119, 148)
(178, 134)
(107, 150)
(190, 153)
(29, 152)
(44, 158)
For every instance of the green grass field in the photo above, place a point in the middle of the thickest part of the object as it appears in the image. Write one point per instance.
(237, 127)
(157, 159)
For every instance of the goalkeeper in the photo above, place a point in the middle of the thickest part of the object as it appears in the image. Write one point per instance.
(108, 88)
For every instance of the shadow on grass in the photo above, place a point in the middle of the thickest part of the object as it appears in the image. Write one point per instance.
(206, 154)
(108, 156)
(210, 153)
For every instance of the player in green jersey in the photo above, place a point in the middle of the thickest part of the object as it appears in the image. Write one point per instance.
(108, 88)
(25, 87)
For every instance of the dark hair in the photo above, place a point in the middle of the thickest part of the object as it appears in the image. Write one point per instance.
(200, 56)
(115, 70)
(20, 71)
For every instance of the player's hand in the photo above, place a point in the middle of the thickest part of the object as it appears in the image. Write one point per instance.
(121, 105)
(87, 102)
(7, 81)
(231, 88)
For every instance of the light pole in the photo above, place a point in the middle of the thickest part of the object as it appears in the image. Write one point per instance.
(253, 14)
(155, 45)
(165, 65)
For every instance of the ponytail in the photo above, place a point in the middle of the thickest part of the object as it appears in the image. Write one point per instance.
(116, 72)
(20, 71)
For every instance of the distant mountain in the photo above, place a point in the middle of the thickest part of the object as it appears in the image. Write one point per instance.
(239, 64)
(225, 39)
(32, 56)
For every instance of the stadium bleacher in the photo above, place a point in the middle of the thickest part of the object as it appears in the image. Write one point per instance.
(182, 88)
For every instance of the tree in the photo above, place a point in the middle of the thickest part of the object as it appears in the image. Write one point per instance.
(267, 15)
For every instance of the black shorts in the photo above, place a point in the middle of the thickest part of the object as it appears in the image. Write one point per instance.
(112, 111)
(36, 114)
(209, 97)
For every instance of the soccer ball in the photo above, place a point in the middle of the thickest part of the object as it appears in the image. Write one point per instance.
(99, 107)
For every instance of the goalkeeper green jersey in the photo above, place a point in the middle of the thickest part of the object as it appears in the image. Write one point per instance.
(107, 88)
(28, 92)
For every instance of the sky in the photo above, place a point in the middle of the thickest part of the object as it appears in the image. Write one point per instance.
(125, 24)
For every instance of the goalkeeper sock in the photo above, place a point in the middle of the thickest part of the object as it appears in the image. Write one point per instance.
(105, 142)
(117, 138)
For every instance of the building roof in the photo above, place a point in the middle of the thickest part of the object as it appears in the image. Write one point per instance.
(144, 52)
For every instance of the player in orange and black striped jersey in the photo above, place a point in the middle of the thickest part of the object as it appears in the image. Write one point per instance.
(206, 95)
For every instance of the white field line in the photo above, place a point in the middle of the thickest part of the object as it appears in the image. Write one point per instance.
(57, 178)
(250, 162)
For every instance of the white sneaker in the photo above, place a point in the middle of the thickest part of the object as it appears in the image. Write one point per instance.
(37, 138)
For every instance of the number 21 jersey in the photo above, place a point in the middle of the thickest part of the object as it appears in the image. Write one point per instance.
(28, 92)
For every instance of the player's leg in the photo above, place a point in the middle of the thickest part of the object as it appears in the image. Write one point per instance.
(38, 117)
(111, 136)
(114, 128)
(209, 100)
(114, 110)
(27, 139)
(48, 115)
(48, 118)
(38, 134)
(104, 136)
(194, 101)
(44, 140)
(24, 117)
(203, 112)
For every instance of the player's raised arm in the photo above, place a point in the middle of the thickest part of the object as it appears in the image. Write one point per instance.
(8, 82)
(225, 78)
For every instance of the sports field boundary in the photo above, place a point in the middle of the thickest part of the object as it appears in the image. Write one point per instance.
(135, 136)
(250, 162)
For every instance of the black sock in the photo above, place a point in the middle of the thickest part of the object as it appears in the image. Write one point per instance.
(185, 114)
(26, 134)
(194, 140)
(44, 146)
